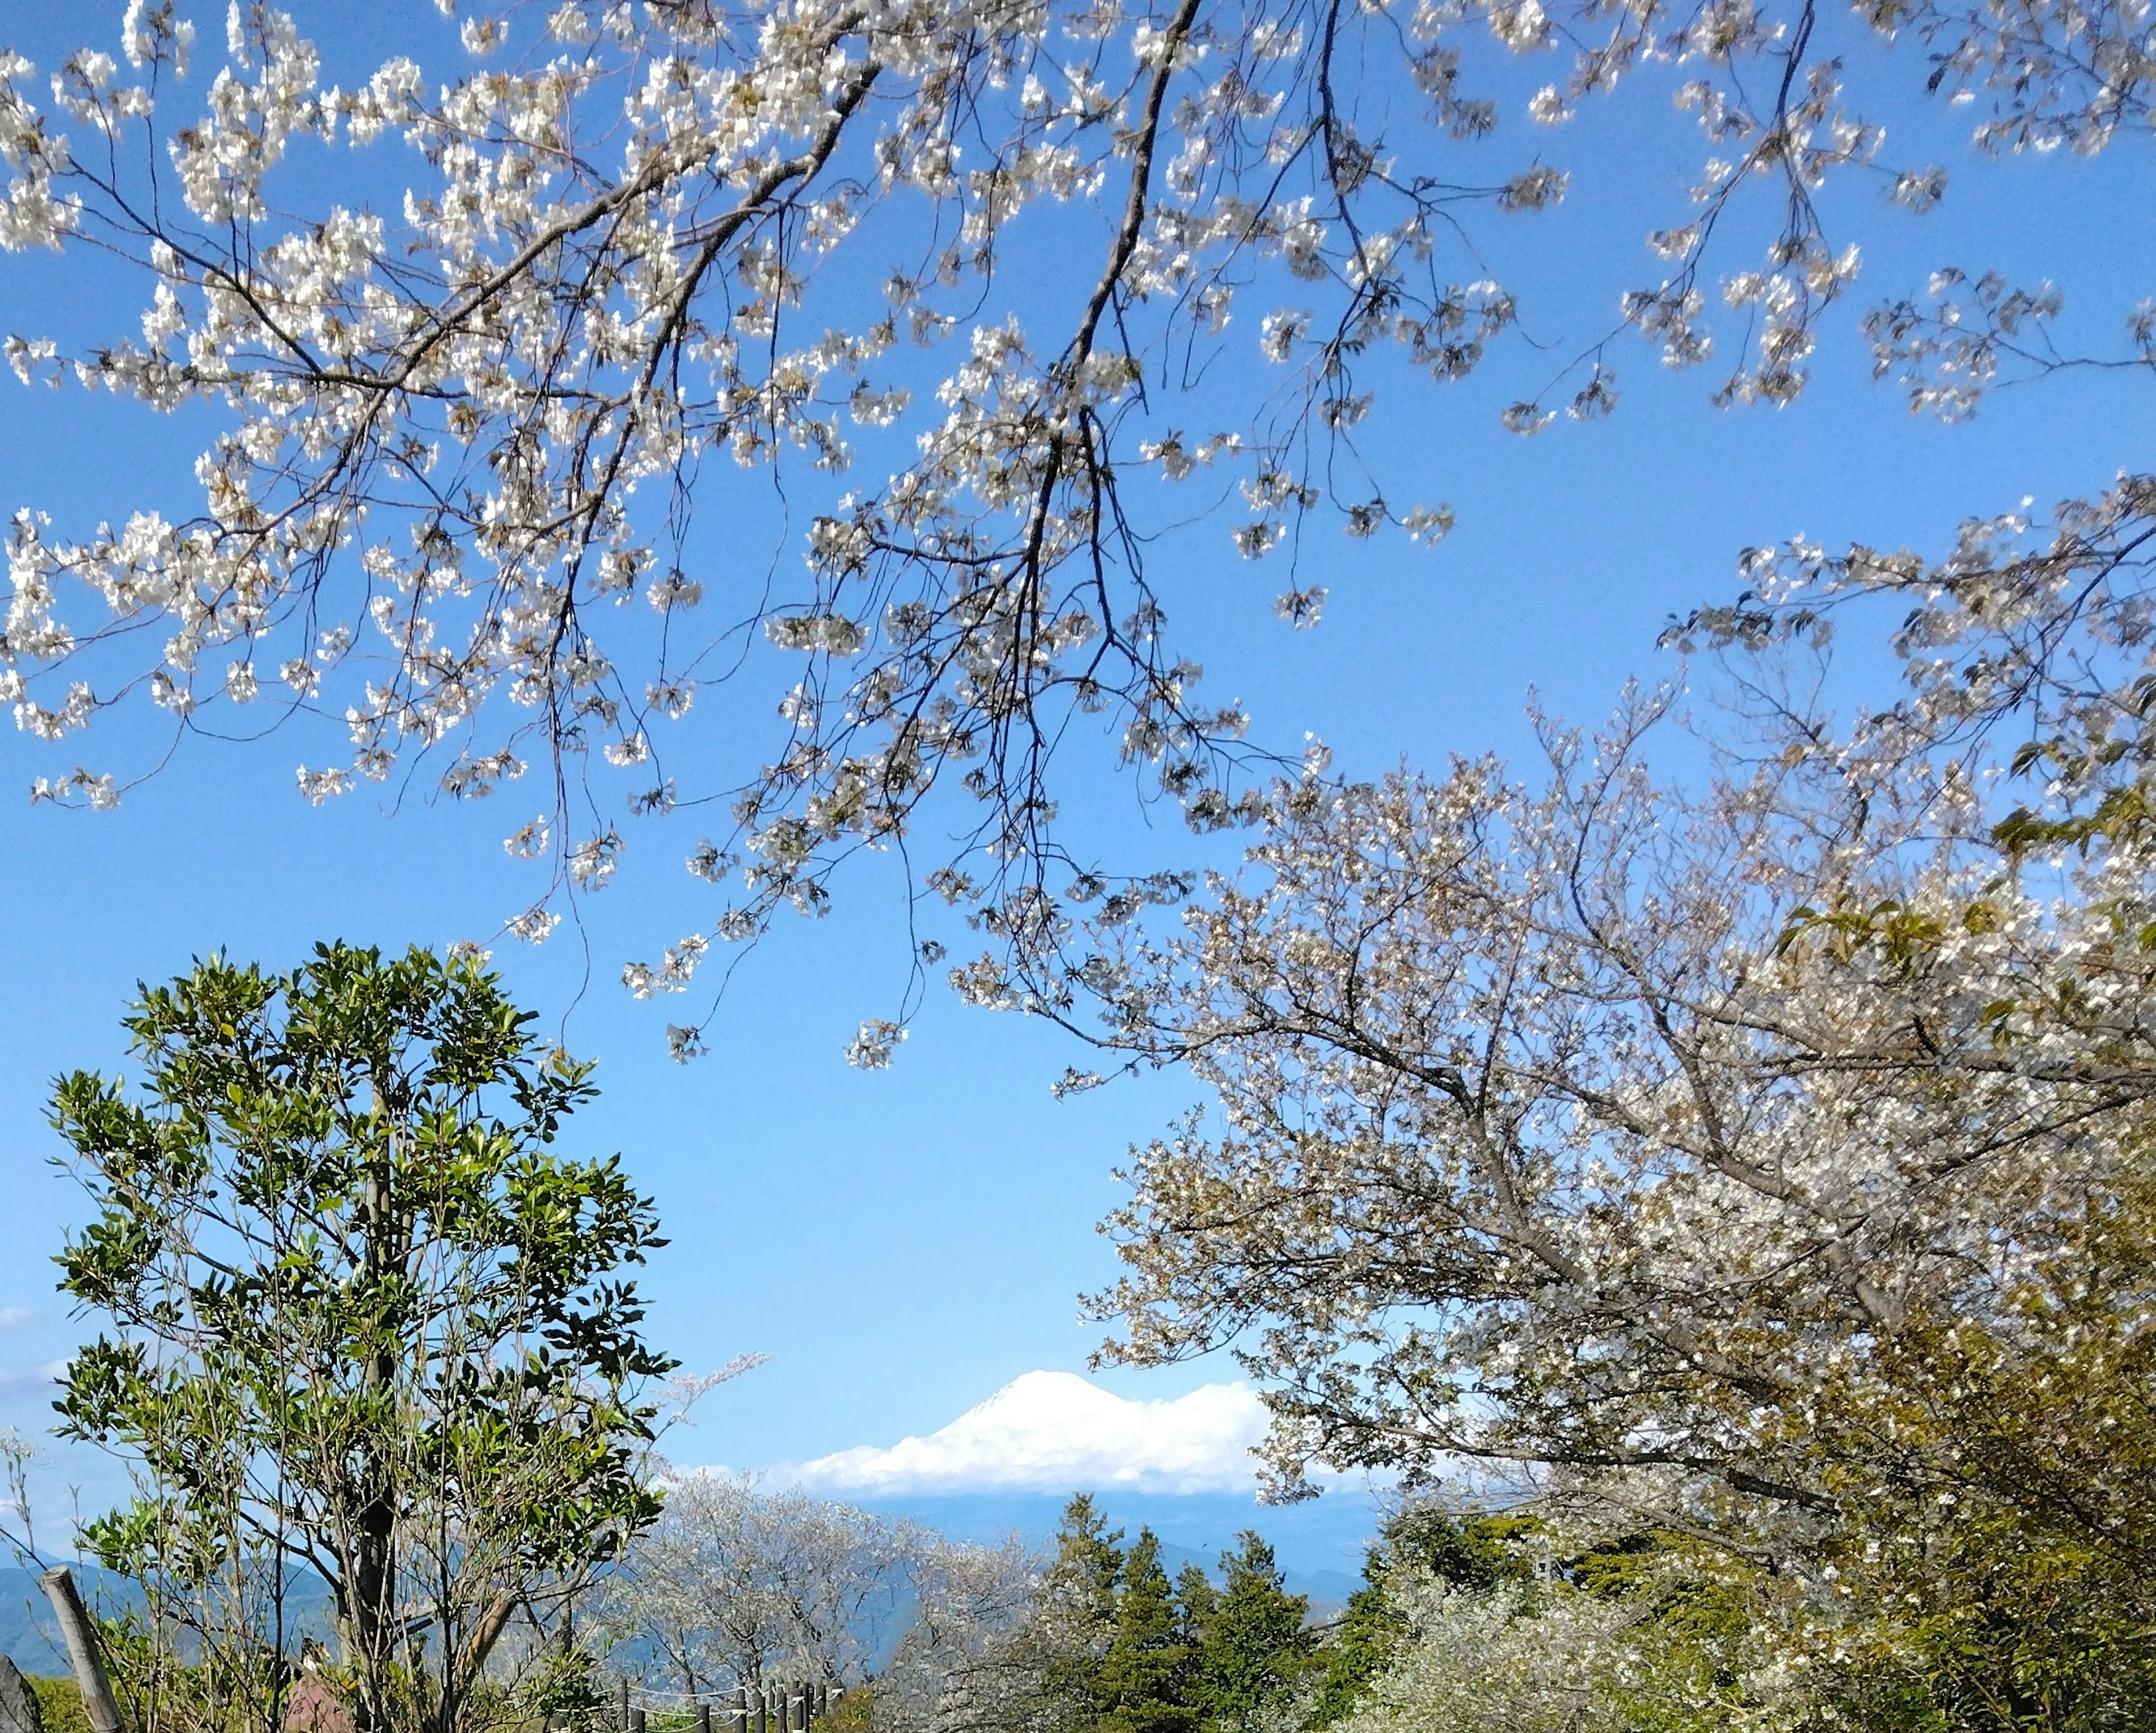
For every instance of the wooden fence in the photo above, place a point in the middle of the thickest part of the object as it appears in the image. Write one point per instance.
(750, 1708)
(791, 1708)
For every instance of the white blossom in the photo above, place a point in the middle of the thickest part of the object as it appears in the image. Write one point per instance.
(455, 397)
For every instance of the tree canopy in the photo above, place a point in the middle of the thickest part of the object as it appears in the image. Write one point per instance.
(1760, 1157)
(464, 402)
(1125, 1651)
(367, 1332)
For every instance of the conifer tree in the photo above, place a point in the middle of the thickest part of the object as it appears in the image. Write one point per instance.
(1367, 1631)
(1196, 1599)
(1468, 1552)
(1256, 1643)
(1089, 1559)
(1145, 1676)
(1081, 1606)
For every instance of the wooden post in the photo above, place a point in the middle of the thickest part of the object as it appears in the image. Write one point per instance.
(81, 1639)
(823, 1699)
(636, 1719)
(703, 1718)
(18, 1704)
(762, 1709)
(737, 1711)
(621, 1720)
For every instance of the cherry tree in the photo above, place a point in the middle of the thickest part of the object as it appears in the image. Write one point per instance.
(1758, 1157)
(732, 1585)
(466, 400)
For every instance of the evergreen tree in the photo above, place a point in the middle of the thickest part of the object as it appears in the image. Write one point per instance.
(1145, 1678)
(1469, 1552)
(1256, 1643)
(365, 1324)
(1081, 1606)
(1195, 1602)
(1089, 1559)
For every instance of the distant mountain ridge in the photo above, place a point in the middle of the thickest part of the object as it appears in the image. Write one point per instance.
(31, 1640)
(1320, 1544)
(28, 1637)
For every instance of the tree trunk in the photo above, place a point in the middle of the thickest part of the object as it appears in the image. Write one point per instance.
(371, 1612)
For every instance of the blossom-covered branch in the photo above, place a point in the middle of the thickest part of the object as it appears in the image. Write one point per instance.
(464, 407)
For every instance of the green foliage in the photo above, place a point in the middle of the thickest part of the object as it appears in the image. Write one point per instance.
(2010, 1631)
(1472, 1552)
(1089, 1559)
(566, 1685)
(2018, 1632)
(1469, 1552)
(1474, 1624)
(1359, 1643)
(1255, 1646)
(59, 1703)
(1196, 1599)
(1143, 1685)
(1142, 1656)
(366, 1323)
(1080, 1596)
(852, 1713)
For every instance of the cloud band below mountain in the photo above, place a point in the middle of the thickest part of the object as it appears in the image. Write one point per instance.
(1054, 1431)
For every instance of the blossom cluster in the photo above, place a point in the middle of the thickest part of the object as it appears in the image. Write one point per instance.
(459, 431)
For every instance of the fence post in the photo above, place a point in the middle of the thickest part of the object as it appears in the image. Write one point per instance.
(737, 1711)
(621, 1717)
(636, 1719)
(761, 1709)
(18, 1704)
(703, 1718)
(81, 1639)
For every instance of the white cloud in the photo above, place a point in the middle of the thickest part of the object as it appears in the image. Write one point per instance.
(17, 1317)
(1054, 1431)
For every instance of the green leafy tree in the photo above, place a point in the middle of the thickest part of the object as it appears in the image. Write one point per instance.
(1361, 1639)
(368, 1330)
(59, 1704)
(1256, 1644)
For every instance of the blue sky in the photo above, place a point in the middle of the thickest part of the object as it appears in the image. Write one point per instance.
(903, 1245)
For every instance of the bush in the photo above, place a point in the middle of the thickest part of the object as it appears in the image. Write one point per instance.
(59, 1704)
